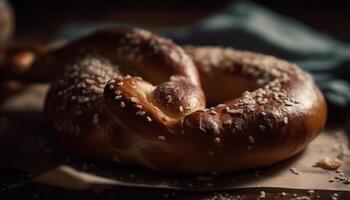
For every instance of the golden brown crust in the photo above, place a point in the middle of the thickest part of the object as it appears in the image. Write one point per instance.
(164, 121)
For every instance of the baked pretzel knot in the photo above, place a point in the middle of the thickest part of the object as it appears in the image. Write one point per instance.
(129, 95)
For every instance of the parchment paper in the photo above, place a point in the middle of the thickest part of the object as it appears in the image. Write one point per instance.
(25, 145)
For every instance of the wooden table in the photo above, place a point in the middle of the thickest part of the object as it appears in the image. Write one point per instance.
(38, 20)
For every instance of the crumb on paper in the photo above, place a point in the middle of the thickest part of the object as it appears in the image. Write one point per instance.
(294, 171)
(262, 194)
(329, 164)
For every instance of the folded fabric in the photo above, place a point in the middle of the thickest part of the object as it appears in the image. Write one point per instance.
(248, 26)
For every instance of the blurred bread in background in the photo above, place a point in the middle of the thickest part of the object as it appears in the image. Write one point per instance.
(6, 21)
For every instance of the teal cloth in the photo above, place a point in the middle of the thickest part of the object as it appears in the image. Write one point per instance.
(244, 25)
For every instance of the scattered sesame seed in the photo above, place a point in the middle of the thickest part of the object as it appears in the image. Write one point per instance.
(122, 104)
(227, 122)
(262, 194)
(251, 139)
(310, 192)
(262, 128)
(234, 112)
(294, 171)
(217, 140)
(213, 112)
(168, 98)
(117, 92)
(161, 137)
(149, 118)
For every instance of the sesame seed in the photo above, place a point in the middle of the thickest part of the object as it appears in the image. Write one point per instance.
(181, 109)
(117, 97)
(134, 99)
(294, 171)
(149, 118)
(288, 103)
(213, 112)
(262, 128)
(122, 104)
(310, 192)
(117, 92)
(234, 112)
(276, 89)
(217, 140)
(229, 121)
(140, 113)
(262, 194)
(251, 139)
(168, 98)
(161, 137)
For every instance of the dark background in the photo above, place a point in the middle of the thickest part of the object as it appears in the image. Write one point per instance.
(38, 19)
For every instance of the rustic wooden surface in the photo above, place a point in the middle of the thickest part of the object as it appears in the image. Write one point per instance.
(38, 20)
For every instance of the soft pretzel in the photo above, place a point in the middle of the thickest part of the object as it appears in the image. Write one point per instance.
(129, 95)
